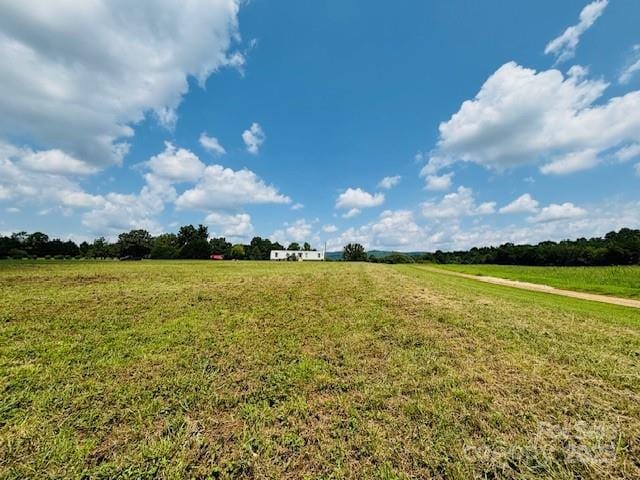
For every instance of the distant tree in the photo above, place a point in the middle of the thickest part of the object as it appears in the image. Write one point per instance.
(165, 246)
(189, 233)
(294, 246)
(84, 249)
(220, 246)
(237, 252)
(136, 243)
(36, 244)
(259, 249)
(277, 246)
(99, 248)
(306, 247)
(354, 252)
(197, 249)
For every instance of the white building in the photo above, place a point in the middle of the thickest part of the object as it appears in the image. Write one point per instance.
(300, 255)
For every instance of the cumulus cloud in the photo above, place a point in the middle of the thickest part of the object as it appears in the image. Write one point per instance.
(176, 165)
(438, 182)
(329, 228)
(120, 212)
(82, 97)
(297, 206)
(28, 176)
(357, 199)
(221, 187)
(460, 203)
(571, 162)
(56, 162)
(564, 46)
(299, 231)
(392, 230)
(253, 138)
(555, 212)
(389, 182)
(508, 125)
(235, 226)
(524, 203)
(211, 144)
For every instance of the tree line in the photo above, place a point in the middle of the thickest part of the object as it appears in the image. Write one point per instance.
(189, 243)
(615, 248)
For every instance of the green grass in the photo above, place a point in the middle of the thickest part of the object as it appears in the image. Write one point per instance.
(615, 281)
(300, 370)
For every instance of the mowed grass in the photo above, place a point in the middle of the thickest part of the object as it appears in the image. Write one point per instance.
(301, 370)
(621, 281)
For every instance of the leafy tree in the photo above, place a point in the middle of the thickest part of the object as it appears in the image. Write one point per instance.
(354, 252)
(99, 248)
(237, 252)
(84, 249)
(197, 249)
(306, 247)
(259, 249)
(36, 244)
(220, 246)
(136, 243)
(277, 246)
(294, 246)
(165, 246)
(189, 233)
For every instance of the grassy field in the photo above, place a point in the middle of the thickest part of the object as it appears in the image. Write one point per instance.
(616, 281)
(300, 370)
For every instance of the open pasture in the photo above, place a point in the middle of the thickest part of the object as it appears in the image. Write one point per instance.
(181, 369)
(620, 281)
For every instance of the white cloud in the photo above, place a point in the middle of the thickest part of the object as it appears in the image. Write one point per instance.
(81, 97)
(555, 212)
(297, 206)
(571, 162)
(211, 144)
(564, 46)
(524, 203)
(253, 138)
(357, 199)
(637, 169)
(329, 228)
(221, 188)
(176, 165)
(235, 226)
(25, 176)
(521, 117)
(457, 204)
(628, 153)
(633, 67)
(55, 162)
(298, 231)
(352, 213)
(438, 182)
(452, 235)
(121, 212)
(392, 230)
(389, 182)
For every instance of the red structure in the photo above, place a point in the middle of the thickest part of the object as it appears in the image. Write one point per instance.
(217, 257)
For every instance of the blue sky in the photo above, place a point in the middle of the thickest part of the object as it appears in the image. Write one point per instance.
(491, 121)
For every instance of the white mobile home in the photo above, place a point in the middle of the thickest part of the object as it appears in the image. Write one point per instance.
(300, 255)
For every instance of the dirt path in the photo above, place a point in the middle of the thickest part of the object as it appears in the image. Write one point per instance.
(536, 287)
